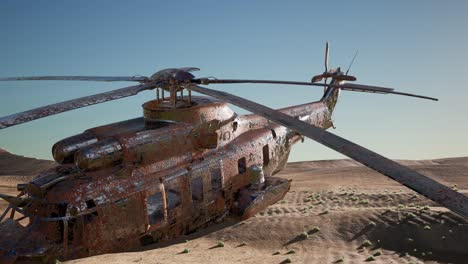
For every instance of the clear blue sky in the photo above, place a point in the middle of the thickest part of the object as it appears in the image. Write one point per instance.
(413, 46)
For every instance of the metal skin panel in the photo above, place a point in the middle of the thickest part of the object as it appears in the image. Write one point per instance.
(104, 210)
(275, 191)
(195, 161)
(426, 186)
(201, 111)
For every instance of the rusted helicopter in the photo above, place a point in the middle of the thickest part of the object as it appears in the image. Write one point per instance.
(188, 162)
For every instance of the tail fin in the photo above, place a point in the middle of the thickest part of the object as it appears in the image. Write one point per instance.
(330, 97)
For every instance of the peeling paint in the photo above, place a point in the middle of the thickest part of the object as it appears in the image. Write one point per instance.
(100, 198)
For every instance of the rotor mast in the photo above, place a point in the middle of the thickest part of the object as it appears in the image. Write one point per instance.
(173, 81)
(176, 97)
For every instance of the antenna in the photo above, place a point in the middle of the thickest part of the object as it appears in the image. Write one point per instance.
(352, 61)
(326, 57)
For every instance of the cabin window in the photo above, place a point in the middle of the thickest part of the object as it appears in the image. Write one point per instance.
(273, 133)
(266, 155)
(242, 165)
(216, 180)
(196, 187)
(154, 207)
(71, 229)
(234, 126)
(173, 195)
(90, 204)
(62, 209)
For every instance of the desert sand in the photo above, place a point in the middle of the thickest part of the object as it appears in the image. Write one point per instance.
(337, 211)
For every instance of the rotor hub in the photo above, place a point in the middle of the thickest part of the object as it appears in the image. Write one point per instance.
(173, 81)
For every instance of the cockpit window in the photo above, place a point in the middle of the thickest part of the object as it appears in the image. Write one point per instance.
(90, 204)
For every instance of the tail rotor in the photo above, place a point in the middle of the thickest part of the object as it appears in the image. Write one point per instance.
(336, 73)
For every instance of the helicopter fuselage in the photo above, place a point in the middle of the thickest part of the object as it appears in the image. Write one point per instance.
(155, 178)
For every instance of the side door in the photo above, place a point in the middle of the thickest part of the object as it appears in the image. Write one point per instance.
(206, 189)
(215, 199)
(198, 193)
(178, 200)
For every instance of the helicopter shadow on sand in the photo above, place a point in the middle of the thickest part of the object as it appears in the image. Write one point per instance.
(202, 232)
(425, 234)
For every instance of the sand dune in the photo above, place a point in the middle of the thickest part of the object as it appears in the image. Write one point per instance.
(21, 168)
(336, 212)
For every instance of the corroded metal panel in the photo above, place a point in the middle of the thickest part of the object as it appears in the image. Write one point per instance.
(426, 186)
(189, 162)
(150, 183)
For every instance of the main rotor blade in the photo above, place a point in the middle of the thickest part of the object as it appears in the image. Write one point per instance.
(53, 109)
(79, 78)
(345, 86)
(375, 89)
(426, 186)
